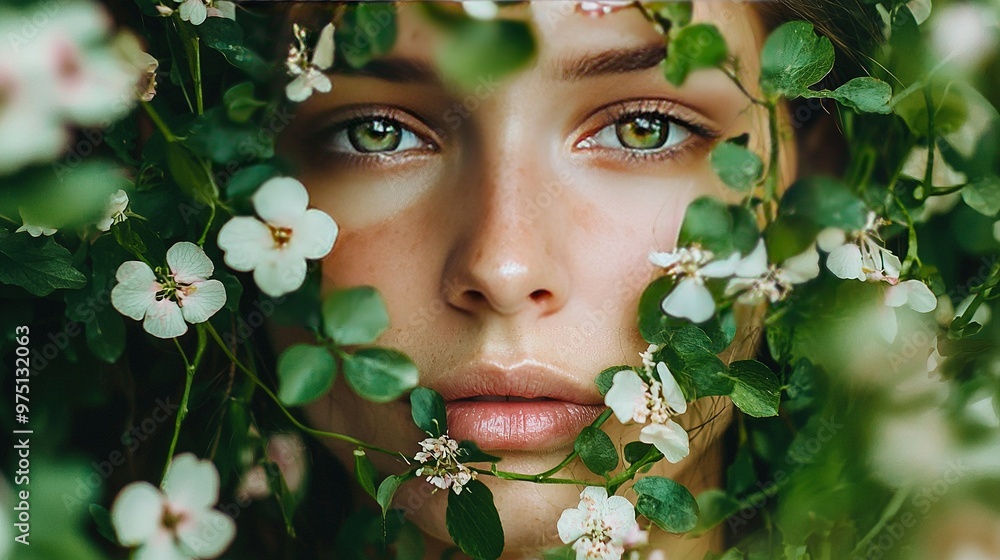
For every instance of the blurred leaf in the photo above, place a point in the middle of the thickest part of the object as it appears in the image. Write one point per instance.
(380, 374)
(226, 36)
(596, 450)
(37, 264)
(738, 167)
(240, 102)
(666, 503)
(354, 316)
(476, 54)
(367, 30)
(793, 58)
(714, 507)
(472, 454)
(427, 409)
(191, 174)
(227, 142)
(865, 94)
(653, 322)
(305, 373)
(692, 48)
(983, 195)
(473, 522)
(245, 182)
(677, 12)
(825, 202)
(387, 489)
(756, 390)
(719, 228)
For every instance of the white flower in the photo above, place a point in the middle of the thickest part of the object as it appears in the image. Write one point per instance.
(481, 9)
(600, 8)
(179, 522)
(286, 451)
(859, 255)
(308, 71)
(759, 281)
(690, 298)
(197, 11)
(34, 229)
(143, 64)
(964, 35)
(911, 293)
(172, 295)
(441, 467)
(276, 246)
(115, 211)
(599, 525)
(942, 174)
(634, 400)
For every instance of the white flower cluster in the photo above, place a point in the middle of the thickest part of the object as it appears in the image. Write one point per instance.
(441, 466)
(197, 11)
(600, 527)
(633, 399)
(308, 71)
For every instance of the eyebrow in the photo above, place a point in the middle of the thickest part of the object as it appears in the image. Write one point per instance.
(591, 65)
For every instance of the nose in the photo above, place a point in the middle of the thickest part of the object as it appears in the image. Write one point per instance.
(509, 258)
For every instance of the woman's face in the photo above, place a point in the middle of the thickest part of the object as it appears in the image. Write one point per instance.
(508, 228)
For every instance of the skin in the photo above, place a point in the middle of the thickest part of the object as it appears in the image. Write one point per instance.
(500, 238)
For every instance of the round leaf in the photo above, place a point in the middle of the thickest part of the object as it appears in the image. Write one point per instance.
(738, 167)
(473, 521)
(305, 373)
(380, 374)
(692, 48)
(427, 409)
(354, 316)
(668, 504)
(597, 450)
(794, 58)
(756, 390)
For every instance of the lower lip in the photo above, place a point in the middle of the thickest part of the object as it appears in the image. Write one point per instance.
(521, 425)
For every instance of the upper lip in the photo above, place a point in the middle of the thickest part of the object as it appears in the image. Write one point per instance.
(527, 379)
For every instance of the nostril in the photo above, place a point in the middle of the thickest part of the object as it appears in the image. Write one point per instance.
(540, 295)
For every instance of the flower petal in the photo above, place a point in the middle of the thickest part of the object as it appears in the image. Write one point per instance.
(754, 264)
(322, 57)
(281, 274)
(245, 241)
(831, 238)
(802, 267)
(626, 396)
(690, 299)
(225, 10)
(885, 323)
(912, 293)
(189, 263)
(194, 11)
(619, 515)
(314, 235)
(281, 201)
(205, 300)
(136, 513)
(136, 291)
(571, 525)
(664, 260)
(209, 533)
(164, 320)
(191, 483)
(723, 268)
(670, 439)
(161, 547)
(672, 393)
(845, 262)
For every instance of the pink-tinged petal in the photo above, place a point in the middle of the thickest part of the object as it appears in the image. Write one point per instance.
(664, 260)
(593, 495)
(571, 525)
(314, 235)
(884, 320)
(754, 264)
(208, 533)
(723, 268)
(136, 291)
(845, 262)
(670, 439)
(626, 396)
(282, 274)
(224, 10)
(619, 514)
(831, 238)
(189, 263)
(690, 299)
(164, 320)
(245, 242)
(194, 11)
(161, 547)
(281, 202)
(672, 393)
(191, 484)
(136, 513)
(912, 293)
(203, 300)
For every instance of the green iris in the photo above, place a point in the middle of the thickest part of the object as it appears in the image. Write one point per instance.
(642, 132)
(375, 135)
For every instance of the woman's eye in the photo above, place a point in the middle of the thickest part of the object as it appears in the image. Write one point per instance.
(640, 132)
(375, 135)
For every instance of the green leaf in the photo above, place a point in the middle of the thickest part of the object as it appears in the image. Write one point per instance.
(246, 181)
(37, 264)
(367, 30)
(825, 202)
(606, 378)
(636, 451)
(470, 453)
(714, 507)
(102, 518)
(719, 228)
(192, 175)
(983, 195)
(794, 58)
(380, 374)
(227, 142)
(653, 322)
(668, 504)
(240, 102)
(226, 36)
(756, 391)
(478, 53)
(427, 409)
(305, 373)
(597, 450)
(473, 522)
(865, 94)
(788, 236)
(387, 489)
(364, 472)
(691, 48)
(678, 13)
(354, 316)
(738, 167)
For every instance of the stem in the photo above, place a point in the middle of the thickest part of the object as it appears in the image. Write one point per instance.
(208, 225)
(771, 180)
(897, 501)
(652, 456)
(160, 125)
(733, 78)
(911, 249)
(318, 433)
(196, 73)
(190, 367)
(532, 478)
(929, 171)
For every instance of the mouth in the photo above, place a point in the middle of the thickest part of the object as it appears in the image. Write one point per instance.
(521, 407)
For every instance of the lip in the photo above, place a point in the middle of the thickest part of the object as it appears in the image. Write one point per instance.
(526, 405)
